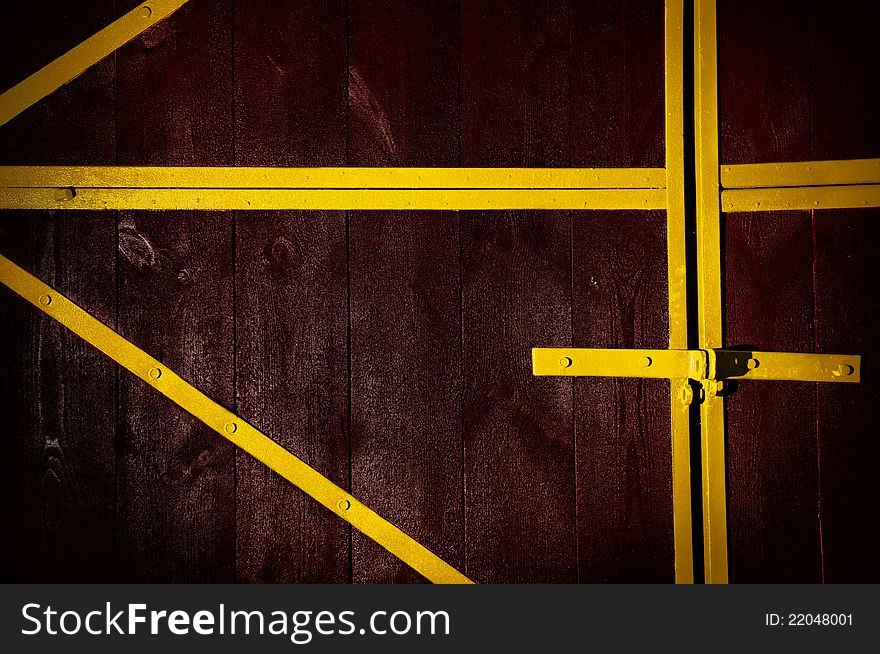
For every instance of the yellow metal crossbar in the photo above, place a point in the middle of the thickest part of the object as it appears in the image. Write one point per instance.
(589, 362)
(74, 62)
(241, 177)
(337, 199)
(784, 366)
(227, 424)
(857, 196)
(801, 173)
(698, 365)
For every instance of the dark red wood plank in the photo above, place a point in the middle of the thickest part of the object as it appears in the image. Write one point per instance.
(764, 68)
(764, 81)
(518, 441)
(617, 80)
(75, 123)
(58, 394)
(846, 97)
(847, 315)
(624, 457)
(176, 476)
(846, 103)
(405, 287)
(619, 299)
(771, 426)
(291, 289)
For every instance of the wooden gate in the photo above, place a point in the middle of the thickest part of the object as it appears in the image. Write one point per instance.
(480, 277)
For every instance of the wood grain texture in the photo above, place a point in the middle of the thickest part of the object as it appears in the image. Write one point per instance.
(847, 314)
(764, 81)
(622, 433)
(406, 460)
(58, 394)
(619, 299)
(518, 445)
(845, 94)
(771, 426)
(617, 78)
(75, 124)
(291, 290)
(176, 477)
(845, 105)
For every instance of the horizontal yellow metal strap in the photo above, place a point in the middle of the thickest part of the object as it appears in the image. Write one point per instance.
(73, 63)
(784, 366)
(698, 365)
(801, 173)
(805, 197)
(337, 199)
(326, 178)
(227, 424)
(586, 362)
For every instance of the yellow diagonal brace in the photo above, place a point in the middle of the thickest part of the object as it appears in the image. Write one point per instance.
(331, 199)
(74, 62)
(227, 424)
(709, 287)
(676, 269)
(215, 177)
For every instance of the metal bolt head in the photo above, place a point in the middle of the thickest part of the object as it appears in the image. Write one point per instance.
(751, 364)
(344, 505)
(645, 362)
(64, 194)
(843, 370)
(145, 12)
(686, 394)
(230, 428)
(155, 373)
(565, 362)
(45, 300)
(714, 388)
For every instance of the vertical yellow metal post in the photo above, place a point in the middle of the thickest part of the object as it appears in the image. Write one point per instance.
(709, 287)
(677, 283)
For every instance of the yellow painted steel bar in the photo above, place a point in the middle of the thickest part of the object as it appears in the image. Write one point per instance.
(73, 63)
(801, 173)
(859, 196)
(709, 288)
(589, 362)
(227, 424)
(326, 178)
(679, 389)
(784, 366)
(337, 199)
(698, 365)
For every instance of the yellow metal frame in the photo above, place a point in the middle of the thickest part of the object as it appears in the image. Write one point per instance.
(752, 187)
